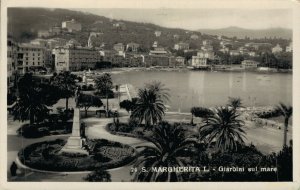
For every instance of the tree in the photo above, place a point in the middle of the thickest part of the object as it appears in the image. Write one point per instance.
(99, 175)
(201, 112)
(224, 128)
(65, 81)
(86, 101)
(171, 147)
(234, 102)
(149, 107)
(104, 85)
(161, 91)
(128, 105)
(286, 112)
(33, 100)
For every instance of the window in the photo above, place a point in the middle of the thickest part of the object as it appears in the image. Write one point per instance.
(33, 63)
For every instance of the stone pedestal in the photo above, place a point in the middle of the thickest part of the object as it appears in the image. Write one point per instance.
(75, 141)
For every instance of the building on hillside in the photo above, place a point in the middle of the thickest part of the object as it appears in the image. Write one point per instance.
(206, 54)
(252, 54)
(43, 33)
(119, 47)
(256, 45)
(181, 46)
(12, 53)
(206, 42)
(55, 30)
(249, 64)
(179, 61)
(73, 43)
(158, 51)
(119, 25)
(277, 49)
(133, 60)
(155, 44)
(32, 57)
(199, 62)
(157, 60)
(224, 50)
(157, 33)
(194, 37)
(75, 58)
(40, 42)
(234, 52)
(132, 47)
(207, 48)
(71, 25)
(289, 48)
(176, 36)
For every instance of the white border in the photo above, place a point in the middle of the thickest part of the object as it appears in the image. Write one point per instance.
(186, 4)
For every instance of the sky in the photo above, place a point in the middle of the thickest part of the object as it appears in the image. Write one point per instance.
(193, 19)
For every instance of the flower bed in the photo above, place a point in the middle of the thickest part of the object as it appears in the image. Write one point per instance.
(44, 129)
(47, 156)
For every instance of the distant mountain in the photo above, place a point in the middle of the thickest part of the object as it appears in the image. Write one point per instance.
(242, 32)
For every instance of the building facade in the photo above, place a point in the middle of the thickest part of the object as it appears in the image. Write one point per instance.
(31, 57)
(71, 26)
(119, 47)
(206, 54)
(277, 49)
(12, 48)
(181, 46)
(132, 47)
(249, 64)
(75, 58)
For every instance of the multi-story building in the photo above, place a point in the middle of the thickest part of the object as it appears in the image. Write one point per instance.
(31, 57)
(132, 47)
(206, 54)
(158, 51)
(52, 43)
(248, 64)
(252, 53)
(157, 33)
(12, 48)
(40, 42)
(119, 47)
(71, 26)
(277, 49)
(181, 46)
(199, 62)
(179, 61)
(75, 58)
(157, 60)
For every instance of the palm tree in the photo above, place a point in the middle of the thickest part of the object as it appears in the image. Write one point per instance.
(160, 89)
(286, 112)
(33, 99)
(171, 145)
(65, 81)
(149, 107)
(104, 85)
(225, 128)
(234, 102)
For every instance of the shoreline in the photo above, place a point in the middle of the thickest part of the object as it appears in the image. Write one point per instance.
(117, 70)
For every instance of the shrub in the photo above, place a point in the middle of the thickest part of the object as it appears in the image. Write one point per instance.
(99, 175)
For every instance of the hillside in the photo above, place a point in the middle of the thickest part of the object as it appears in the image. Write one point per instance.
(23, 24)
(241, 32)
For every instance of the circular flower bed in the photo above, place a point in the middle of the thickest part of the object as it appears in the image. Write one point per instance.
(47, 156)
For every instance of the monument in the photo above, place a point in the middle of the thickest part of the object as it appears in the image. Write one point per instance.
(76, 142)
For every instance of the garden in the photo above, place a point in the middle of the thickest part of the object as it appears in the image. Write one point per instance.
(47, 156)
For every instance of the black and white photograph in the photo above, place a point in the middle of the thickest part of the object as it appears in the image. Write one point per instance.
(148, 94)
